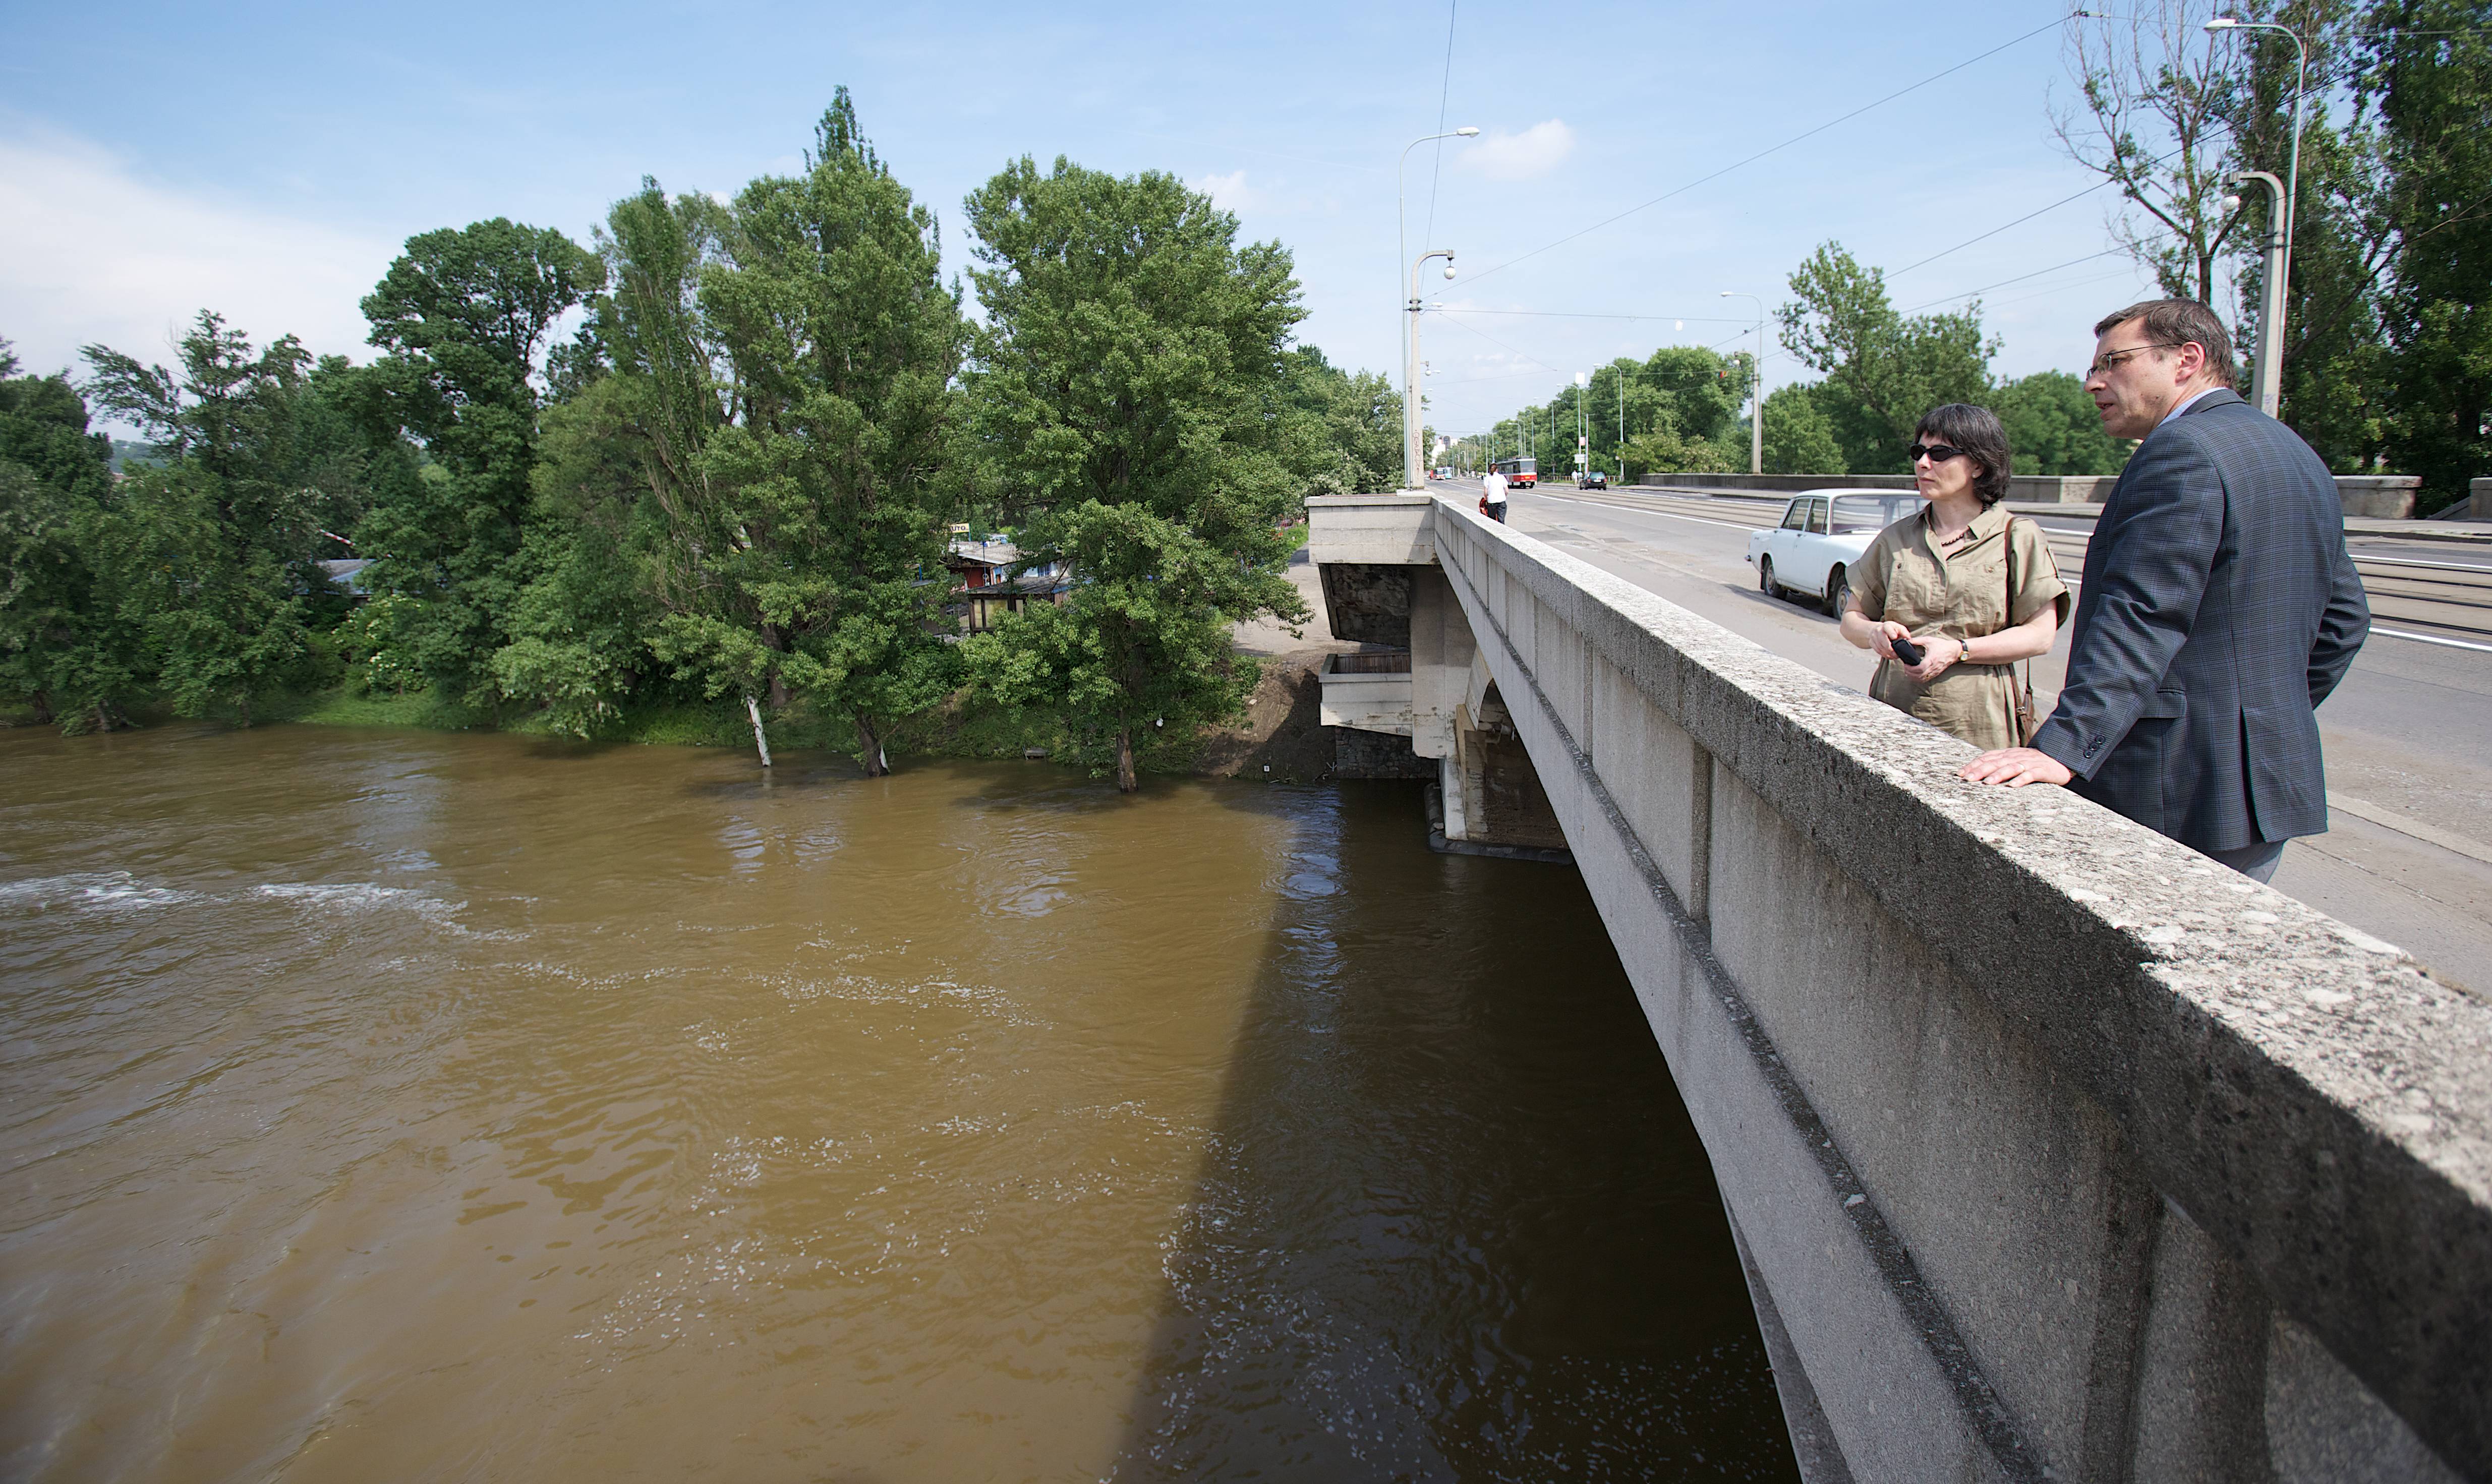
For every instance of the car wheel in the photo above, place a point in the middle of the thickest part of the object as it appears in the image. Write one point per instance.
(1765, 577)
(1838, 592)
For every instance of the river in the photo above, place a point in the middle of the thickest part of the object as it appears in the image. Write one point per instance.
(412, 1106)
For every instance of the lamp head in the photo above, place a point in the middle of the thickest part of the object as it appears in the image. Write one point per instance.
(1449, 270)
(1468, 130)
(2232, 203)
(2223, 23)
(1581, 378)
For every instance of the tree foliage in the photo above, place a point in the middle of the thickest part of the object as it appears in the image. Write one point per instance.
(1882, 370)
(1130, 381)
(463, 316)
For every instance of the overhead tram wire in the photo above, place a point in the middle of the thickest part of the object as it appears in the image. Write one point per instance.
(2019, 279)
(2031, 215)
(1773, 149)
(1444, 92)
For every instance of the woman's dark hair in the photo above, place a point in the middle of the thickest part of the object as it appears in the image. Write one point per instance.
(1977, 432)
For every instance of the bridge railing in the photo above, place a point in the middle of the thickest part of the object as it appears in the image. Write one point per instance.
(2042, 1133)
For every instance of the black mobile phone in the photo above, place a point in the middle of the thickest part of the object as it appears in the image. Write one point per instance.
(1906, 650)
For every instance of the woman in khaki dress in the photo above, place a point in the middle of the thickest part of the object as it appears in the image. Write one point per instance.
(1940, 578)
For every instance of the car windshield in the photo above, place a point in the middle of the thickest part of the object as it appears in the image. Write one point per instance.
(1872, 512)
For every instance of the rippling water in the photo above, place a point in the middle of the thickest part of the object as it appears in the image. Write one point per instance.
(390, 1106)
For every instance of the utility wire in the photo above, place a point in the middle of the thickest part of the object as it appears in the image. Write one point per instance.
(1494, 340)
(2019, 279)
(1444, 93)
(1773, 148)
(1713, 319)
(2108, 180)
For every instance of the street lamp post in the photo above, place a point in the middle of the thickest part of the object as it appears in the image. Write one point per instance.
(1755, 393)
(1411, 321)
(1411, 371)
(1622, 428)
(1582, 456)
(2269, 378)
(2266, 370)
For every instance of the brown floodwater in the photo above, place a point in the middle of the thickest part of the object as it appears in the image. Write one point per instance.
(403, 1105)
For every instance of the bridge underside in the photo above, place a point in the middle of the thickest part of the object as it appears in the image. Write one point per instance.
(2018, 1196)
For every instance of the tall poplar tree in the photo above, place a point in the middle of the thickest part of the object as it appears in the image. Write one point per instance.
(780, 378)
(1130, 381)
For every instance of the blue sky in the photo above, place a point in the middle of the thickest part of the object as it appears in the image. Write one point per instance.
(266, 161)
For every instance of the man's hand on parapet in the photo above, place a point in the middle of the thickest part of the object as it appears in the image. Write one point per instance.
(2017, 766)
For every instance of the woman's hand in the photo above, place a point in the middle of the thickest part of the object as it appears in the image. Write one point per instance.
(1883, 636)
(1939, 655)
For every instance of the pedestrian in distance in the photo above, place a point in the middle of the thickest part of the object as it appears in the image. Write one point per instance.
(1967, 587)
(1493, 495)
(2220, 607)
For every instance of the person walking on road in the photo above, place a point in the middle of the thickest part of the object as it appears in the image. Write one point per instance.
(1493, 495)
(2220, 608)
(1971, 586)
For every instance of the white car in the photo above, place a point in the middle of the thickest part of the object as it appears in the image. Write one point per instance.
(1821, 534)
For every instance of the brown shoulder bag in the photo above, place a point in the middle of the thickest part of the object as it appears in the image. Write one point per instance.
(2021, 689)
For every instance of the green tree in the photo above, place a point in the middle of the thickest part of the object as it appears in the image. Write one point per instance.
(1882, 370)
(780, 387)
(1127, 376)
(464, 316)
(1800, 437)
(2429, 64)
(2052, 427)
(213, 554)
(1346, 435)
(63, 648)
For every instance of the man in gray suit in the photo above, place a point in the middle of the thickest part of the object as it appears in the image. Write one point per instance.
(2220, 608)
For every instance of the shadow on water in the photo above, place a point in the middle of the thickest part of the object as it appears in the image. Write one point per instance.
(1453, 1222)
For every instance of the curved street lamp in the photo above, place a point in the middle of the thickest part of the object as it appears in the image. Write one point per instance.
(2268, 380)
(1411, 309)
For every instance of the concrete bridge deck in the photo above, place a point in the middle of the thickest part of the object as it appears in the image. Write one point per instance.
(2053, 1149)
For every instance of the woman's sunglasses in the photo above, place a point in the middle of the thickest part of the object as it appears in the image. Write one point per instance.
(1936, 453)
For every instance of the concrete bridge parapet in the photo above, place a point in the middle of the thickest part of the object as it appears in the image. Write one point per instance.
(2054, 1149)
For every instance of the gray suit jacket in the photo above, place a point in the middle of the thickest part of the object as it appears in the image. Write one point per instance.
(2218, 611)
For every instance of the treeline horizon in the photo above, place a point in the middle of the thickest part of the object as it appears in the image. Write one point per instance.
(2387, 341)
(732, 487)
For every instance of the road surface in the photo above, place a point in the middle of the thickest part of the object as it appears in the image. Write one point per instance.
(2408, 734)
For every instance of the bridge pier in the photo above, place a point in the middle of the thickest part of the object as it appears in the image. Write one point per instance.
(2051, 1149)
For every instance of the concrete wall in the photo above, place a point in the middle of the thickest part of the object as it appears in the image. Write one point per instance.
(2054, 1150)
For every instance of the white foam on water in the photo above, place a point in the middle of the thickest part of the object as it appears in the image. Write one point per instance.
(99, 891)
(357, 898)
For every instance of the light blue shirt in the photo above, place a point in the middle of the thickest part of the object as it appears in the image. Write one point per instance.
(2189, 404)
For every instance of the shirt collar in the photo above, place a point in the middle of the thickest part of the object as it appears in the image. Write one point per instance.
(2189, 404)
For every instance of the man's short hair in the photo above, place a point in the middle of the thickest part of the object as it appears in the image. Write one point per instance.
(2178, 323)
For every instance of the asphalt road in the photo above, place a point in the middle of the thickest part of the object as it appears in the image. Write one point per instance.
(2409, 733)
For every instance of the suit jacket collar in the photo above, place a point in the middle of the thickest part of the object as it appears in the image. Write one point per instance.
(2220, 396)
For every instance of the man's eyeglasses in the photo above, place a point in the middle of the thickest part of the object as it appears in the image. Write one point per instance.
(2120, 358)
(1934, 453)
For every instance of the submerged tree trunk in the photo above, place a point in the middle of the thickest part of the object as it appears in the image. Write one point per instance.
(43, 704)
(1126, 782)
(878, 762)
(760, 738)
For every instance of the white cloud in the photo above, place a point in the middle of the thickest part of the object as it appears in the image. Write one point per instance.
(1536, 151)
(96, 254)
(1229, 191)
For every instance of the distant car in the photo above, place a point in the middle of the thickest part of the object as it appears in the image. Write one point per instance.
(1821, 534)
(1592, 479)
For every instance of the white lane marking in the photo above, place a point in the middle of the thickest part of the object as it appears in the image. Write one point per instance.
(2389, 819)
(2402, 561)
(1736, 525)
(2431, 638)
